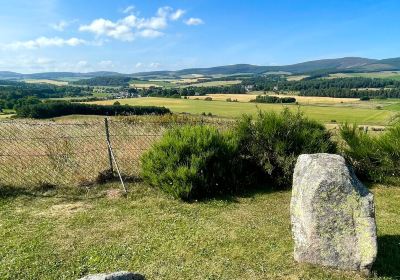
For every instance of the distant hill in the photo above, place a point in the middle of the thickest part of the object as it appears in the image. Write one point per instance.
(346, 64)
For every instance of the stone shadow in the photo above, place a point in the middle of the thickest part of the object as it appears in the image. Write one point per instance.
(387, 263)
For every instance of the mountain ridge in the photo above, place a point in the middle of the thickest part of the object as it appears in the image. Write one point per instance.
(346, 64)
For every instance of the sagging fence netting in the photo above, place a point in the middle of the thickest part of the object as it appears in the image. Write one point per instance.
(34, 153)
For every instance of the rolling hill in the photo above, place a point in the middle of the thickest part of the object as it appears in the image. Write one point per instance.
(346, 64)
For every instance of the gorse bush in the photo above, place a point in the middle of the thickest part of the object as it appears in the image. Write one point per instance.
(193, 162)
(273, 141)
(375, 158)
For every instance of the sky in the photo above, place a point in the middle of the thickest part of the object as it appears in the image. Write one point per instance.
(131, 36)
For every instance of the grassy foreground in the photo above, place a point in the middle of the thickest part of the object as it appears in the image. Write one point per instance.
(323, 114)
(64, 236)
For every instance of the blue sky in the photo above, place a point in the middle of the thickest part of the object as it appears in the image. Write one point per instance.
(132, 36)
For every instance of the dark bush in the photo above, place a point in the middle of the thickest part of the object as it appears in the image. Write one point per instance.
(273, 99)
(272, 142)
(193, 162)
(374, 157)
(57, 109)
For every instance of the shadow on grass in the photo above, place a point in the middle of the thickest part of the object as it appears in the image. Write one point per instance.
(388, 260)
(264, 188)
(44, 191)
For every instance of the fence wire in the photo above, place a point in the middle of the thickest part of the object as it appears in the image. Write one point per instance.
(34, 153)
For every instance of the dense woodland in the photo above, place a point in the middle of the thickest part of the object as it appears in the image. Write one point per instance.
(57, 109)
(191, 91)
(338, 87)
(15, 94)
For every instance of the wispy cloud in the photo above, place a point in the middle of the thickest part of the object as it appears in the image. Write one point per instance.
(43, 42)
(177, 14)
(62, 24)
(128, 9)
(194, 21)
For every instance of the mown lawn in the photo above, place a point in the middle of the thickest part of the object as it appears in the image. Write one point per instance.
(60, 235)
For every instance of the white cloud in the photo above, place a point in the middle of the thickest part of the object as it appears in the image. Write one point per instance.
(62, 24)
(42, 42)
(138, 65)
(177, 14)
(128, 9)
(194, 21)
(150, 33)
(132, 26)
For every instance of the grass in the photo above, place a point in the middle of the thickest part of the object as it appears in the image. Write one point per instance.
(46, 81)
(393, 107)
(61, 235)
(148, 84)
(215, 83)
(234, 109)
(303, 100)
(382, 74)
(6, 113)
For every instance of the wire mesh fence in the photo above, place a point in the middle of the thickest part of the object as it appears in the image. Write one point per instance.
(34, 153)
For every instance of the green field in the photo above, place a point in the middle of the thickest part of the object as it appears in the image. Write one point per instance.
(324, 114)
(214, 83)
(382, 74)
(60, 235)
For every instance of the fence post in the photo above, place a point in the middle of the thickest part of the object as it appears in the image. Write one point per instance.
(108, 145)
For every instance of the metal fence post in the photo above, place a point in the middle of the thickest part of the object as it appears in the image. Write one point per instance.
(108, 145)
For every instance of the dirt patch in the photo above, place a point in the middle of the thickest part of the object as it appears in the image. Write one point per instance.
(64, 209)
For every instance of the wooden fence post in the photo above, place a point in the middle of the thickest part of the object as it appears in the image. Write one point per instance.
(108, 145)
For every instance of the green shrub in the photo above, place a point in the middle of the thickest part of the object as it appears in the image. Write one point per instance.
(193, 162)
(375, 158)
(272, 142)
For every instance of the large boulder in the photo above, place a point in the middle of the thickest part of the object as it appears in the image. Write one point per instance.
(333, 215)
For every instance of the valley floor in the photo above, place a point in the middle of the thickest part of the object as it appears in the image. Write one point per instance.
(65, 235)
(323, 109)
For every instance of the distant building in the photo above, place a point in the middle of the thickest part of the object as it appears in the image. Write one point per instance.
(249, 88)
(126, 94)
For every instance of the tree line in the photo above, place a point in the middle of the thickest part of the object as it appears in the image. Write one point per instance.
(191, 91)
(16, 94)
(57, 109)
(354, 87)
(351, 93)
(273, 99)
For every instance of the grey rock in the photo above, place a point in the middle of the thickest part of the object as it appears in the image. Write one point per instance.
(332, 214)
(121, 275)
